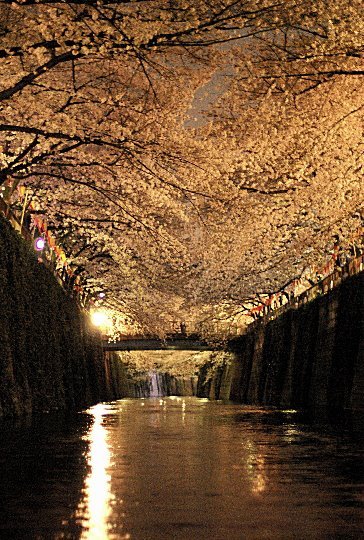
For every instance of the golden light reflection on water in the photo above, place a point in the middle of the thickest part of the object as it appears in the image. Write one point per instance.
(256, 469)
(291, 433)
(183, 412)
(96, 506)
(258, 475)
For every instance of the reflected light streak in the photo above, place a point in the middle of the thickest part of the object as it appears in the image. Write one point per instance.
(183, 412)
(291, 433)
(255, 466)
(259, 479)
(95, 508)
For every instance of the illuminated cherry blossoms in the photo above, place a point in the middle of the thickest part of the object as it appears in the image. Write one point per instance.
(189, 157)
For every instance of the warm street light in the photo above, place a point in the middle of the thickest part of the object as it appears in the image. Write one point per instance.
(99, 318)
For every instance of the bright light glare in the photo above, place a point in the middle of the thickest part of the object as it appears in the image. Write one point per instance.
(99, 318)
(95, 509)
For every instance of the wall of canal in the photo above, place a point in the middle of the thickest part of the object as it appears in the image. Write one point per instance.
(50, 357)
(310, 358)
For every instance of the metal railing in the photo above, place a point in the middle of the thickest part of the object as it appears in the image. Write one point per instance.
(322, 287)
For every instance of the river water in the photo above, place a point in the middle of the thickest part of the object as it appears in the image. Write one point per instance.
(179, 468)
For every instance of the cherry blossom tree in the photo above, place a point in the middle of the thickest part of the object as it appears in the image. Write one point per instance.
(176, 219)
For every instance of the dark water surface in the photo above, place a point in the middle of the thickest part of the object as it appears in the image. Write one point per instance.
(179, 468)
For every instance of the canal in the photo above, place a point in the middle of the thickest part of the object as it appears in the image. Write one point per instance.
(179, 468)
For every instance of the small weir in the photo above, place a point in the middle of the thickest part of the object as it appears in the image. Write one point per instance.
(154, 384)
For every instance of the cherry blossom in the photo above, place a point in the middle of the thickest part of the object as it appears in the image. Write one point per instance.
(179, 219)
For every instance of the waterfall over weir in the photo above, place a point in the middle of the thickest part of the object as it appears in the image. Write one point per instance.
(154, 386)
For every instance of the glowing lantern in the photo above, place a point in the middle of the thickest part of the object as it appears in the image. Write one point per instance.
(39, 243)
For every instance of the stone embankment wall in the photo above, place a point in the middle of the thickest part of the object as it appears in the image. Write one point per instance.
(50, 358)
(310, 359)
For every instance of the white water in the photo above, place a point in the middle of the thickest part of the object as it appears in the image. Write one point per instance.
(154, 387)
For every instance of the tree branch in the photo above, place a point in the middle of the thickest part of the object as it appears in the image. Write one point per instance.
(38, 72)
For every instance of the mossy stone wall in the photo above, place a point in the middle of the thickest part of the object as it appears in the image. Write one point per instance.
(50, 358)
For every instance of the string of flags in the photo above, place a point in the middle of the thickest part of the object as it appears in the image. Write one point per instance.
(296, 286)
(40, 225)
(278, 298)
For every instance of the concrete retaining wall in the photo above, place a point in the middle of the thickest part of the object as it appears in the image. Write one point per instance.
(311, 358)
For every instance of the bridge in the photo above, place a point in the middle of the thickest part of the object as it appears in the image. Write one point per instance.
(152, 343)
